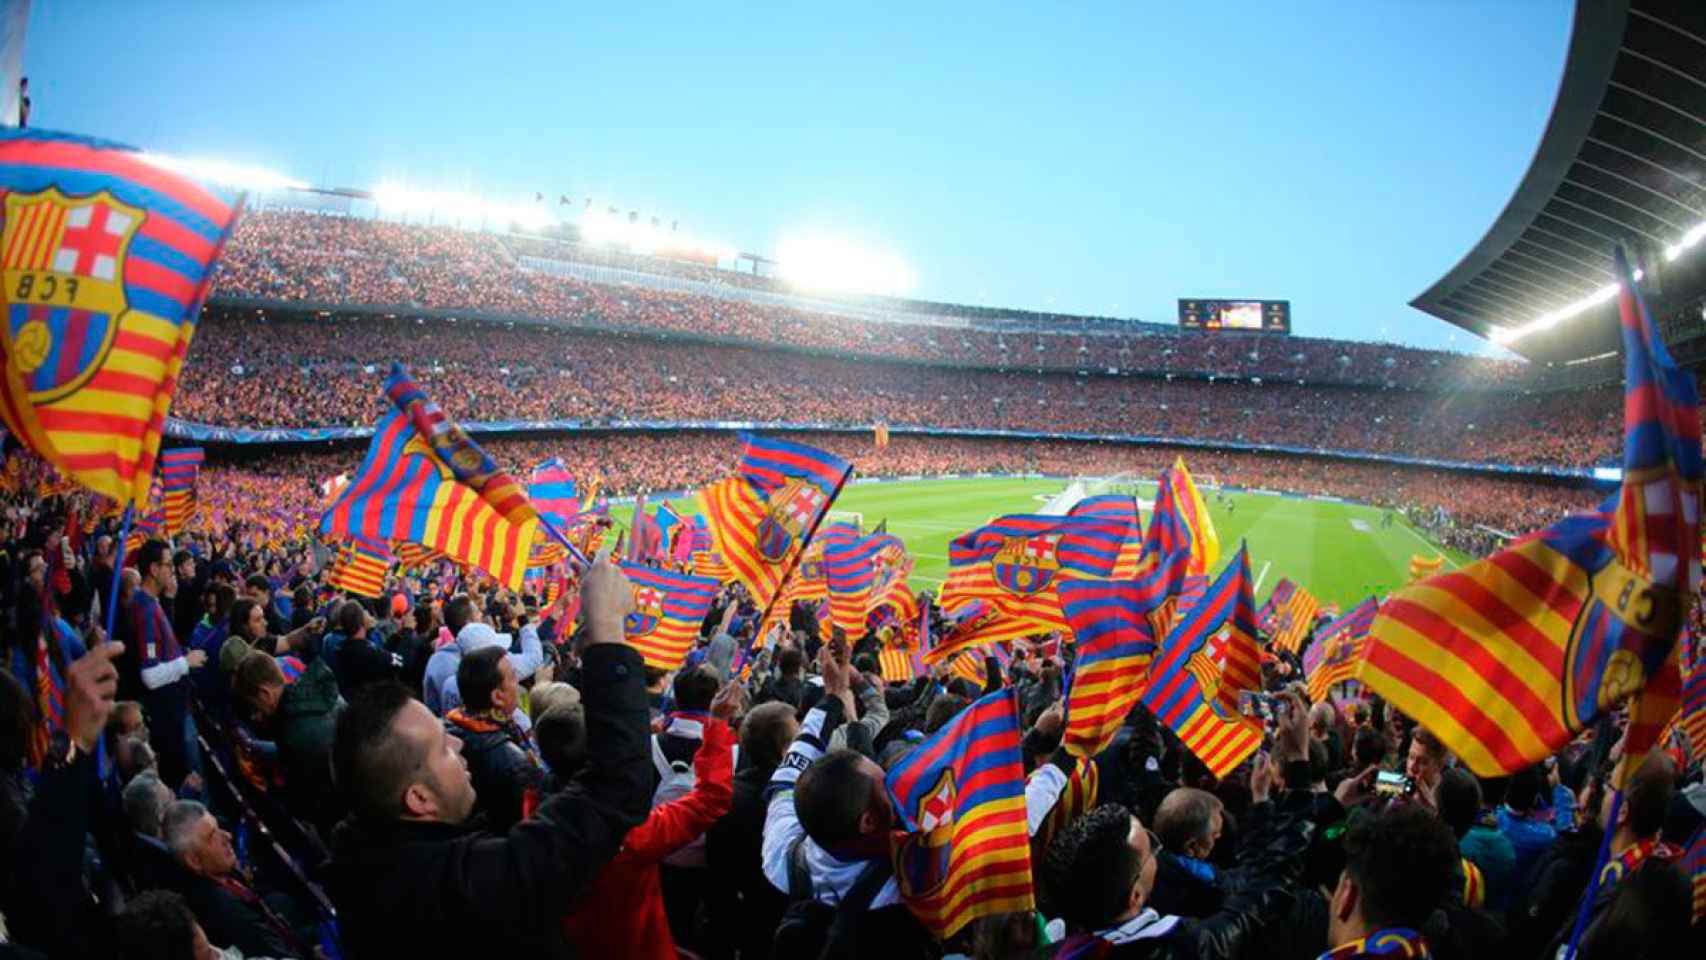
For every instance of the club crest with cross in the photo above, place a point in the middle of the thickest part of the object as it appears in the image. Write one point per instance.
(792, 510)
(648, 611)
(63, 259)
(1026, 565)
(923, 856)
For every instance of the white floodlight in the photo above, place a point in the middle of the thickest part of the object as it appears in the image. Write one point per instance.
(820, 261)
(241, 176)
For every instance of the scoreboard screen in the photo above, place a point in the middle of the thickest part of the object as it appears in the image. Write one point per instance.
(1269, 316)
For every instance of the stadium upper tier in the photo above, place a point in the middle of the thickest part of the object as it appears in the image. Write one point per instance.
(302, 371)
(338, 262)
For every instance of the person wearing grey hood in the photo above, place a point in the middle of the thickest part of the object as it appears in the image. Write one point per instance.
(463, 618)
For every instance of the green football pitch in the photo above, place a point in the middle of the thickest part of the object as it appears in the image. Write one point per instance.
(1338, 551)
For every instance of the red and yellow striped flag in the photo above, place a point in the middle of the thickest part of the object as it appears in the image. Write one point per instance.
(1294, 620)
(106, 261)
(668, 609)
(359, 569)
(1205, 542)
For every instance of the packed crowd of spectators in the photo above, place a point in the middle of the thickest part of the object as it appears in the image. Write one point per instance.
(253, 765)
(284, 256)
(274, 371)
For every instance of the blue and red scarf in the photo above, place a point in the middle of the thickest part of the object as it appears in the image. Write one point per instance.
(1395, 943)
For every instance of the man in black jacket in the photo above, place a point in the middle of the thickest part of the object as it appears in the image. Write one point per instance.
(500, 758)
(1100, 875)
(233, 912)
(409, 875)
(745, 907)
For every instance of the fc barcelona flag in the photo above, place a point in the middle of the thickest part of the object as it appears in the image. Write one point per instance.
(960, 798)
(850, 568)
(1692, 719)
(1205, 542)
(554, 493)
(1293, 621)
(178, 472)
(1168, 537)
(765, 515)
(360, 569)
(1268, 616)
(1338, 649)
(1119, 508)
(1188, 689)
(105, 260)
(668, 610)
(425, 481)
(1015, 565)
(1507, 659)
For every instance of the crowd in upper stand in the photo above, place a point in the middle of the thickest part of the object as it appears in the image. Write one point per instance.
(251, 371)
(323, 259)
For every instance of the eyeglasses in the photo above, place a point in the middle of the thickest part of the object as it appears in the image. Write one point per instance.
(1154, 844)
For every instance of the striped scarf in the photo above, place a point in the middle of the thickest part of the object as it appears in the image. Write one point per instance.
(1396, 943)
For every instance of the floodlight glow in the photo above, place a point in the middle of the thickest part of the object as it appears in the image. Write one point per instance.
(237, 175)
(399, 198)
(1608, 473)
(822, 262)
(598, 227)
(1546, 321)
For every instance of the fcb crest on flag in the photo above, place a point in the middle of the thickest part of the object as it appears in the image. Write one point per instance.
(68, 255)
(790, 512)
(648, 611)
(1025, 565)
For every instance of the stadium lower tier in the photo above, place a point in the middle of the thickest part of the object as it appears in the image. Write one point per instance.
(282, 490)
(255, 371)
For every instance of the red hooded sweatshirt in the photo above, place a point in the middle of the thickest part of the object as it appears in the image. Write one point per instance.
(621, 913)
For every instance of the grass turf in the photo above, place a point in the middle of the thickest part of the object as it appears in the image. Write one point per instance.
(1314, 542)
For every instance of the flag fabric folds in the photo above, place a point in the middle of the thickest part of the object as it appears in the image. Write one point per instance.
(1293, 621)
(360, 569)
(1268, 616)
(554, 493)
(896, 664)
(1693, 864)
(436, 488)
(668, 611)
(1421, 566)
(1205, 542)
(1691, 719)
(1120, 508)
(1338, 648)
(1507, 659)
(765, 515)
(850, 570)
(1014, 566)
(960, 798)
(1116, 643)
(1190, 692)
(106, 261)
(178, 472)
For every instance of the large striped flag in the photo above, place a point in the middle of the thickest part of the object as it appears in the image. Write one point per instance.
(765, 515)
(1168, 536)
(1507, 659)
(1188, 690)
(960, 798)
(1014, 565)
(1116, 640)
(850, 569)
(179, 469)
(413, 555)
(554, 493)
(668, 611)
(1338, 648)
(360, 569)
(1293, 621)
(897, 663)
(106, 261)
(669, 522)
(1205, 542)
(426, 481)
(1120, 508)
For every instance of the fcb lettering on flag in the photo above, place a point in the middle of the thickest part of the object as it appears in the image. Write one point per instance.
(1014, 565)
(1508, 659)
(960, 798)
(668, 610)
(407, 489)
(360, 569)
(763, 517)
(1189, 691)
(1293, 621)
(179, 469)
(106, 261)
(1333, 657)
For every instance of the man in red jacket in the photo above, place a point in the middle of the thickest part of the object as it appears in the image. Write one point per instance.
(622, 913)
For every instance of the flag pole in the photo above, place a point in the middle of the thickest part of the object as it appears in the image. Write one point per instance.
(801, 553)
(1593, 882)
(118, 568)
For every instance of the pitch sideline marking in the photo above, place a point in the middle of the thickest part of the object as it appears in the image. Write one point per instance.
(1431, 546)
(1260, 577)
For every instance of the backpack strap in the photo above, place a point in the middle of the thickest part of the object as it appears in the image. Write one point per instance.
(841, 941)
(660, 761)
(799, 874)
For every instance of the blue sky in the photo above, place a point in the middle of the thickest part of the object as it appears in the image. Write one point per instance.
(1087, 157)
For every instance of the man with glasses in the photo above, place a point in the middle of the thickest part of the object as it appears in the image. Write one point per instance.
(165, 667)
(1099, 875)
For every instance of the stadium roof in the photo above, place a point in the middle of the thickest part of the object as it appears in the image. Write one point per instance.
(1623, 160)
